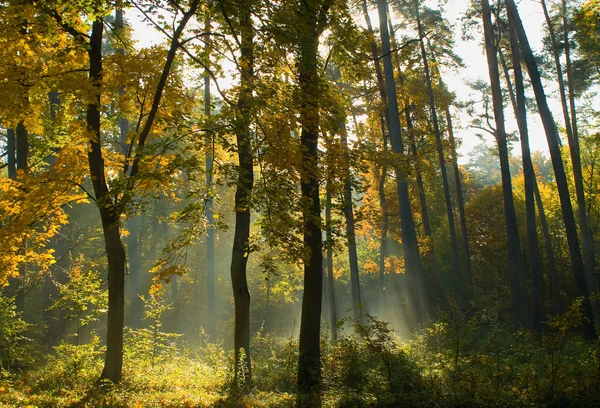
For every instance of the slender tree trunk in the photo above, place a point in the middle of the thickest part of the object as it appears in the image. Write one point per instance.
(245, 182)
(22, 161)
(458, 279)
(309, 361)
(557, 164)
(350, 232)
(586, 235)
(555, 295)
(329, 267)
(211, 325)
(412, 258)
(436, 292)
(385, 122)
(133, 252)
(385, 222)
(530, 180)
(517, 281)
(460, 202)
(559, 74)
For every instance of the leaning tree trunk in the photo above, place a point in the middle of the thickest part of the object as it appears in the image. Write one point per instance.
(245, 182)
(412, 258)
(530, 180)
(517, 281)
(458, 279)
(557, 164)
(436, 292)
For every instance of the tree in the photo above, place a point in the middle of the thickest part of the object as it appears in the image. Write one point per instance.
(245, 181)
(412, 258)
(517, 281)
(585, 283)
(312, 19)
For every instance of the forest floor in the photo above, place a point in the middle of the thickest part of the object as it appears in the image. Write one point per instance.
(472, 364)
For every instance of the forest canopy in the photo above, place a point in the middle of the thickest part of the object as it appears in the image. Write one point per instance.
(282, 203)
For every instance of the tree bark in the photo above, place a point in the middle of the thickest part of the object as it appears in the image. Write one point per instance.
(245, 183)
(412, 258)
(559, 170)
(458, 279)
(520, 314)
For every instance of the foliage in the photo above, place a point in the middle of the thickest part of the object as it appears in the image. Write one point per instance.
(16, 349)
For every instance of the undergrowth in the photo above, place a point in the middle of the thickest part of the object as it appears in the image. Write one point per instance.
(460, 361)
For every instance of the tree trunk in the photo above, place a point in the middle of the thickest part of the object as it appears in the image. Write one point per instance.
(11, 158)
(245, 183)
(211, 324)
(350, 232)
(109, 215)
(412, 258)
(559, 74)
(530, 180)
(134, 255)
(458, 279)
(557, 164)
(329, 268)
(586, 235)
(309, 361)
(555, 295)
(385, 122)
(517, 281)
(385, 222)
(460, 202)
(436, 292)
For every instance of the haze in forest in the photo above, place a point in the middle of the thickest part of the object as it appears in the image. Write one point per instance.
(318, 203)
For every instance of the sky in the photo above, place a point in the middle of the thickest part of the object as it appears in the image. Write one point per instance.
(474, 58)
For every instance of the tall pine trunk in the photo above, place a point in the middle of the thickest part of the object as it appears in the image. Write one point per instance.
(460, 203)
(245, 182)
(557, 164)
(412, 258)
(350, 231)
(520, 313)
(458, 279)
(535, 266)
(385, 122)
(586, 234)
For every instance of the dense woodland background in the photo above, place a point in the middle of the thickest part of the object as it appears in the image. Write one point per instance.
(267, 207)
